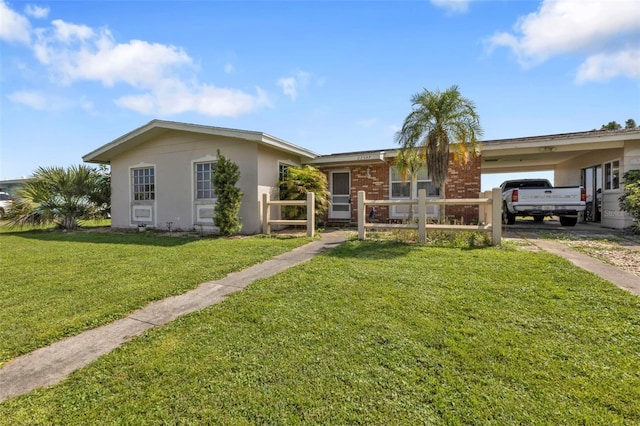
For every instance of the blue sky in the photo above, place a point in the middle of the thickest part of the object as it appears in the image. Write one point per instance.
(332, 76)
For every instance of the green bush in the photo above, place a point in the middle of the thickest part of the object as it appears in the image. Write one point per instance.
(630, 201)
(297, 183)
(228, 195)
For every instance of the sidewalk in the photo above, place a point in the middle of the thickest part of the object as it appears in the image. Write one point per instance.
(50, 365)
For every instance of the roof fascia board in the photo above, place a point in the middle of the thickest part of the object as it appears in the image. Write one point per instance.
(351, 158)
(559, 140)
(257, 137)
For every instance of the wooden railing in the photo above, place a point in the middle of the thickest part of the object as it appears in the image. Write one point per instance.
(490, 214)
(309, 222)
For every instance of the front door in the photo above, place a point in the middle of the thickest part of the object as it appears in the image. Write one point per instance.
(340, 195)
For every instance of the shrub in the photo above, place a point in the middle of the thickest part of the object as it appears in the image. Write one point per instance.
(229, 196)
(630, 201)
(297, 183)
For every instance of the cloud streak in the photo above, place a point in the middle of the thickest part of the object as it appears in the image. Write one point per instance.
(292, 85)
(454, 6)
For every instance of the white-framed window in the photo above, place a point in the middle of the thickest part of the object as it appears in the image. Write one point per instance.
(612, 175)
(283, 170)
(143, 184)
(400, 188)
(203, 172)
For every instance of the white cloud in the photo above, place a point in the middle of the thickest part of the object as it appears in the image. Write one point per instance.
(175, 97)
(458, 6)
(31, 99)
(289, 87)
(605, 66)
(229, 68)
(45, 101)
(36, 11)
(163, 75)
(292, 85)
(13, 26)
(569, 26)
(68, 33)
(366, 123)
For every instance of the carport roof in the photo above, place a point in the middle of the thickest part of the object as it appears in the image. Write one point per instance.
(540, 153)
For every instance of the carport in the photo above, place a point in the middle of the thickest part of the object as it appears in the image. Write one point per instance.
(596, 160)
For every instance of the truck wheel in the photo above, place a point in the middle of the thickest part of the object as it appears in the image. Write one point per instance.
(507, 218)
(588, 212)
(538, 218)
(568, 221)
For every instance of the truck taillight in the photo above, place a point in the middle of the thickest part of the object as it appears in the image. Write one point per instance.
(583, 195)
(514, 196)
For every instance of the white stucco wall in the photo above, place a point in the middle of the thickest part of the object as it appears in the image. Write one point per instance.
(568, 174)
(269, 161)
(173, 156)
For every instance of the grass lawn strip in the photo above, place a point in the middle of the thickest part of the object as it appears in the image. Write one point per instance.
(377, 333)
(58, 284)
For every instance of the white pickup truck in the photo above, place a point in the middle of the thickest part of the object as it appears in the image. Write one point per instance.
(538, 198)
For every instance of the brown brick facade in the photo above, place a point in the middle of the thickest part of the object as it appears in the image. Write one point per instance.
(463, 182)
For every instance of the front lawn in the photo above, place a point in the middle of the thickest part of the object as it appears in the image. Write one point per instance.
(55, 284)
(377, 333)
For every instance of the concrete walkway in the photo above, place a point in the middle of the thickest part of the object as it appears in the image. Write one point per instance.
(50, 365)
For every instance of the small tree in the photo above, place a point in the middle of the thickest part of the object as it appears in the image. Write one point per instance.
(630, 124)
(295, 186)
(612, 125)
(409, 162)
(229, 196)
(630, 201)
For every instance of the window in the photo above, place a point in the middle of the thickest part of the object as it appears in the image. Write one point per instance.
(612, 175)
(283, 171)
(143, 183)
(203, 174)
(400, 188)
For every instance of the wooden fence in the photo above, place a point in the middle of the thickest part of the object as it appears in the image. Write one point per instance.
(309, 222)
(490, 214)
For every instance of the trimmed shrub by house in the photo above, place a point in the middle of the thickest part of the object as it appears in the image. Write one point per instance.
(228, 195)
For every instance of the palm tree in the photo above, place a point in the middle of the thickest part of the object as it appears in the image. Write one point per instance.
(441, 123)
(409, 162)
(295, 186)
(61, 196)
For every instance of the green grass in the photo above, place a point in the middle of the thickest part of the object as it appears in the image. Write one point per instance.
(377, 333)
(55, 284)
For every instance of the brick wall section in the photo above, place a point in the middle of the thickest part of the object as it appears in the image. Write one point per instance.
(464, 182)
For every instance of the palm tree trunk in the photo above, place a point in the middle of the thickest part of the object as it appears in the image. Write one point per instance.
(442, 216)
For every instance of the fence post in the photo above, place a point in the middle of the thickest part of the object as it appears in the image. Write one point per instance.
(266, 229)
(422, 216)
(484, 210)
(362, 215)
(496, 217)
(311, 214)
